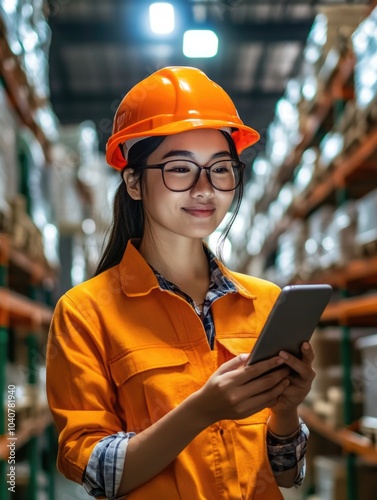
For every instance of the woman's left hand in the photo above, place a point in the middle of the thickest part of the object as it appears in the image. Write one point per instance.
(301, 380)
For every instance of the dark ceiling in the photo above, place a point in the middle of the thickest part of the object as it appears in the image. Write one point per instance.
(101, 48)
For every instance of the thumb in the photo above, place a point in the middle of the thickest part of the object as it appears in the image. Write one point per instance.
(233, 363)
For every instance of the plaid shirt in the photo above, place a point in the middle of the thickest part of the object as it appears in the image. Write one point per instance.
(105, 467)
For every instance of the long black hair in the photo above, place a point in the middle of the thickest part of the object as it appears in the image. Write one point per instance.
(128, 214)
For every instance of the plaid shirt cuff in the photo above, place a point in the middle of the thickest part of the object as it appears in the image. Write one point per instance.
(105, 467)
(289, 453)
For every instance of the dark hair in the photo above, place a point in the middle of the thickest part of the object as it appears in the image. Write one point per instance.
(128, 214)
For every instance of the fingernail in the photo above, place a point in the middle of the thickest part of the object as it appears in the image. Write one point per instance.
(306, 346)
(284, 355)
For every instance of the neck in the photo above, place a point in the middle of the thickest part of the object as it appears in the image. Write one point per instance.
(177, 260)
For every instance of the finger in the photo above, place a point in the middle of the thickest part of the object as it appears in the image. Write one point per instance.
(258, 369)
(301, 367)
(265, 399)
(233, 364)
(265, 382)
(307, 353)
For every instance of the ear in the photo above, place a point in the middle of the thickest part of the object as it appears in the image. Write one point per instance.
(132, 183)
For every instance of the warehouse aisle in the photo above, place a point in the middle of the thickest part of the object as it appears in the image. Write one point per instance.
(67, 490)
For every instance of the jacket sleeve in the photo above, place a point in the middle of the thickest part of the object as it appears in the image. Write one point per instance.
(80, 391)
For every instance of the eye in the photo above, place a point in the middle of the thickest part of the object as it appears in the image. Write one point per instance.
(222, 167)
(221, 170)
(177, 170)
(178, 167)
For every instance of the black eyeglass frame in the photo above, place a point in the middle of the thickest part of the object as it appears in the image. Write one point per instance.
(161, 166)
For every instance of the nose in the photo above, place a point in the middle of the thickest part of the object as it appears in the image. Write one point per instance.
(203, 187)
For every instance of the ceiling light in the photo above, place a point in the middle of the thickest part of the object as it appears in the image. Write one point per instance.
(200, 43)
(161, 17)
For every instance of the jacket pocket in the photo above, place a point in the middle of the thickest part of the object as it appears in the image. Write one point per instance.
(150, 383)
(237, 345)
(144, 360)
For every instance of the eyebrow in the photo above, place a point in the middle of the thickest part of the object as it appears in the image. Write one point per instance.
(190, 154)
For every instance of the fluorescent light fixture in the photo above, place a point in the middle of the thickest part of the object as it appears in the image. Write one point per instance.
(161, 18)
(200, 43)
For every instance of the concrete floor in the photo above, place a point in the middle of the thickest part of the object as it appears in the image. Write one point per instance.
(67, 490)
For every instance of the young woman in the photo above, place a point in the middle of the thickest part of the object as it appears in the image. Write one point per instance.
(146, 377)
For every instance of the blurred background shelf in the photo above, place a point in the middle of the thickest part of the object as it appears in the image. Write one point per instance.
(28, 428)
(348, 440)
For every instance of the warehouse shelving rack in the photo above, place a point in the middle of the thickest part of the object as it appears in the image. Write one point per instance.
(351, 175)
(23, 310)
(15, 310)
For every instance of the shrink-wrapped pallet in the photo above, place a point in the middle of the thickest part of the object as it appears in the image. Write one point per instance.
(366, 225)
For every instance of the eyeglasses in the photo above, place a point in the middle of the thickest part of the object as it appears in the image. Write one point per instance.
(183, 175)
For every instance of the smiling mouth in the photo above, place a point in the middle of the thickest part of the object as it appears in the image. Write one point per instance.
(199, 212)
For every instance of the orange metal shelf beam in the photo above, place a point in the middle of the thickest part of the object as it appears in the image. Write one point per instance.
(18, 94)
(356, 270)
(4, 249)
(353, 308)
(344, 167)
(36, 270)
(349, 441)
(33, 426)
(21, 309)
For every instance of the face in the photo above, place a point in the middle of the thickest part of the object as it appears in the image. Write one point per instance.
(195, 213)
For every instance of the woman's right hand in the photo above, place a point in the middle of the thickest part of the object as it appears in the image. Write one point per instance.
(236, 391)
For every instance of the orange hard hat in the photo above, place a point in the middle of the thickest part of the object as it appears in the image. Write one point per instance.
(172, 100)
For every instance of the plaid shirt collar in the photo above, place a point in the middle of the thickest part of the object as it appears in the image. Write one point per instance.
(219, 286)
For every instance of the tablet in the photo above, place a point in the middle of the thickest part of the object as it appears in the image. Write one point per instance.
(291, 322)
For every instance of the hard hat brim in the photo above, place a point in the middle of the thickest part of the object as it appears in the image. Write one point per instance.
(243, 136)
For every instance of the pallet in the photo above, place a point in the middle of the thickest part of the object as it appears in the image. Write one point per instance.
(368, 249)
(368, 426)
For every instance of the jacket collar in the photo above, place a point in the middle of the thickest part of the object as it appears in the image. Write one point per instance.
(137, 277)
(233, 277)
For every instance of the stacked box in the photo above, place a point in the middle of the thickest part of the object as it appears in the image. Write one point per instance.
(28, 36)
(330, 148)
(9, 16)
(368, 349)
(68, 204)
(37, 179)
(305, 174)
(365, 47)
(338, 243)
(348, 125)
(327, 392)
(80, 181)
(25, 235)
(289, 252)
(366, 224)
(329, 38)
(283, 133)
(332, 27)
(317, 223)
(330, 478)
(258, 233)
(8, 154)
(280, 206)
(330, 473)
(262, 175)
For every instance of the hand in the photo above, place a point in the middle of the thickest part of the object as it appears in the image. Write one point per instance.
(236, 391)
(301, 378)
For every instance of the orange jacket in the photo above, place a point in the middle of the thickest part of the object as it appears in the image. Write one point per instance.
(122, 353)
